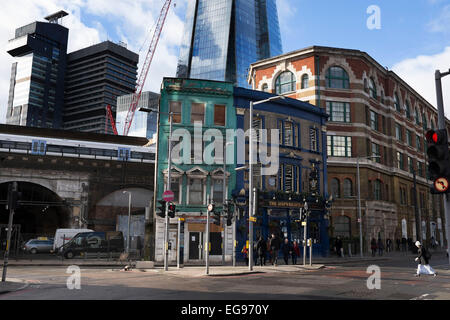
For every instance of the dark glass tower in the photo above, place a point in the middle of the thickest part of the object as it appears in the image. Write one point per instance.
(36, 94)
(223, 37)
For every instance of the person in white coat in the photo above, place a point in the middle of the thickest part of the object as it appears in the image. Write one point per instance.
(423, 258)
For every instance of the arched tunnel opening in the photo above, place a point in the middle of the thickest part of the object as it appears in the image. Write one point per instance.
(42, 212)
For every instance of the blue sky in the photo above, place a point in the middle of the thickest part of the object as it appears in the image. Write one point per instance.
(414, 38)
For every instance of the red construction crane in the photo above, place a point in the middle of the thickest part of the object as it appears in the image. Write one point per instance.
(146, 66)
(111, 119)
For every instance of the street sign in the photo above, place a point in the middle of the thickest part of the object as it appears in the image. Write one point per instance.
(441, 184)
(168, 196)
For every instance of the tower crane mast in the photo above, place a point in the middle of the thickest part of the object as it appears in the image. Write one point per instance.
(146, 66)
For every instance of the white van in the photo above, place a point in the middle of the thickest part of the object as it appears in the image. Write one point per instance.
(63, 236)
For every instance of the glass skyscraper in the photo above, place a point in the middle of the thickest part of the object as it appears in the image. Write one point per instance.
(223, 37)
(36, 94)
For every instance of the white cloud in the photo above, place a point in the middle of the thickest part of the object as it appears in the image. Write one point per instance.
(129, 20)
(442, 22)
(419, 74)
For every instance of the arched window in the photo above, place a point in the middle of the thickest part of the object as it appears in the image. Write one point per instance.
(342, 227)
(433, 126)
(348, 188)
(382, 96)
(305, 81)
(396, 102)
(377, 190)
(424, 121)
(408, 110)
(265, 87)
(337, 78)
(417, 117)
(366, 86)
(335, 188)
(285, 83)
(372, 88)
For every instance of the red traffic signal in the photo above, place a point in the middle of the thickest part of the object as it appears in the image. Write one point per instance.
(172, 209)
(438, 159)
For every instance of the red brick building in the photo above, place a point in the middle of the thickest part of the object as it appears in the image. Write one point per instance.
(373, 113)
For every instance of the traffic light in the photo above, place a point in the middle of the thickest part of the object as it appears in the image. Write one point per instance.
(161, 208)
(13, 196)
(259, 202)
(227, 212)
(214, 215)
(438, 160)
(172, 210)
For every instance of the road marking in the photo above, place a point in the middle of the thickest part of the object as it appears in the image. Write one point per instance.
(422, 297)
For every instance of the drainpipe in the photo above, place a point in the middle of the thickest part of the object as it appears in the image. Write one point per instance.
(317, 62)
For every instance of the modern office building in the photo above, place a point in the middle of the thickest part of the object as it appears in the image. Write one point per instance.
(374, 117)
(36, 94)
(95, 77)
(144, 124)
(223, 37)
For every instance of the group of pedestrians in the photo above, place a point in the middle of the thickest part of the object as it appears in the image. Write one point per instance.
(376, 245)
(271, 249)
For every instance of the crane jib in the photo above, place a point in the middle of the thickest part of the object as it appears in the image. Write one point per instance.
(146, 67)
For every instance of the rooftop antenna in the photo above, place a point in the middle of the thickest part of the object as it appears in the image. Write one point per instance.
(57, 17)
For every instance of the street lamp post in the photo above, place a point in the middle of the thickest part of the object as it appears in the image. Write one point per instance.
(441, 125)
(169, 169)
(251, 192)
(359, 202)
(129, 218)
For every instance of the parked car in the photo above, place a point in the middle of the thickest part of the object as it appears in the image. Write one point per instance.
(93, 242)
(63, 236)
(34, 246)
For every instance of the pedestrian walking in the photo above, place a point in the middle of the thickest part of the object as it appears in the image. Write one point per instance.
(245, 252)
(403, 244)
(275, 247)
(287, 250)
(380, 247)
(295, 252)
(423, 258)
(398, 244)
(269, 250)
(338, 247)
(261, 248)
(373, 246)
(388, 245)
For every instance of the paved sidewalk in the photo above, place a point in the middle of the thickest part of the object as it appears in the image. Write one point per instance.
(12, 285)
(220, 271)
(332, 260)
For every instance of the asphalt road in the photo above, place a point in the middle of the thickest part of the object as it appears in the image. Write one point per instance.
(346, 281)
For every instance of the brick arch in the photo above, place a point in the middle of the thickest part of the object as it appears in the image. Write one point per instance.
(339, 62)
(282, 67)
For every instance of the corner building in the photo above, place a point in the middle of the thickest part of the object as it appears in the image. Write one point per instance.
(377, 117)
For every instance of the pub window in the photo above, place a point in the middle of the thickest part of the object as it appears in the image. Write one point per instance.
(219, 115)
(288, 134)
(288, 178)
(314, 141)
(175, 108)
(197, 112)
(196, 190)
